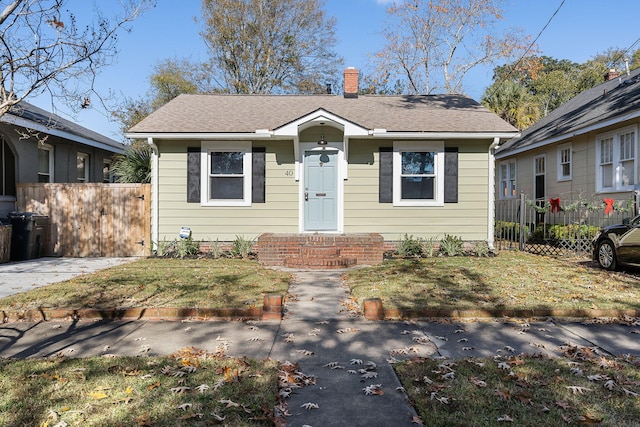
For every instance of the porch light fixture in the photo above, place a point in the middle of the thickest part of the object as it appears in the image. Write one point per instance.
(322, 141)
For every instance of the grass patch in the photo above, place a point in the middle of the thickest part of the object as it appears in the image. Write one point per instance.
(160, 282)
(511, 280)
(190, 388)
(582, 388)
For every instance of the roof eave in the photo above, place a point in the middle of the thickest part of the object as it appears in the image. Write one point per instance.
(574, 133)
(381, 133)
(29, 124)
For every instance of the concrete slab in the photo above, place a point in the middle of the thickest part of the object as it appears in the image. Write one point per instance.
(22, 276)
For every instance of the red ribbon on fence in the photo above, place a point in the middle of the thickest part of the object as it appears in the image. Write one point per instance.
(609, 208)
(555, 205)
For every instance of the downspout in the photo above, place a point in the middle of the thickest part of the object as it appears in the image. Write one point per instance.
(154, 193)
(491, 211)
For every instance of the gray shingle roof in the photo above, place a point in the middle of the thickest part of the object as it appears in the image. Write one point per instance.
(248, 113)
(67, 128)
(611, 100)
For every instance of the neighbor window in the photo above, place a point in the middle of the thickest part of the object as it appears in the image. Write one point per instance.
(508, 179)
(564, 162)
(418, 174)
(617, 161)
(45, 163)
(107, 176)
(7, 169)
(82, 161)
(226, 177)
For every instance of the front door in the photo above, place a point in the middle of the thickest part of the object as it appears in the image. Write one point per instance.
(320, 190)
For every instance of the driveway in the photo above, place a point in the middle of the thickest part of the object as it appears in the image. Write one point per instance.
(21, 276)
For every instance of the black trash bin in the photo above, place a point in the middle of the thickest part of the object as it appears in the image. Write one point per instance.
(28, 235)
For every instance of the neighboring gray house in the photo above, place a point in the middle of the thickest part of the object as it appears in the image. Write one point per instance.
(39, 146)
(588, 147)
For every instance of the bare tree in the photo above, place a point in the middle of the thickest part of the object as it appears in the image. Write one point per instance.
(432, 44)
(44, 48)
(265, 46)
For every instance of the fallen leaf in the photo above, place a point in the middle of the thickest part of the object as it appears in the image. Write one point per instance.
(578, 389)
(230, 403)
(588, 419)
(185, 406)
(309, 406)
(98, 395)
(152, 386)
(373, 389)
(563, 404)
(505, 419)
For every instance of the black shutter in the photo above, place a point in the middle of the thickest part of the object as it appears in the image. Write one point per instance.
(193, 174)
(385, 180)
(451, 175)
(258, 156)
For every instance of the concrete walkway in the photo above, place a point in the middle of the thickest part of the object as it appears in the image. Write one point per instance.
(328, 340)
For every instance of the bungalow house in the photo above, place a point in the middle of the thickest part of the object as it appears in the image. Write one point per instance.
(586, 148)
(38, 146)
(322, 169)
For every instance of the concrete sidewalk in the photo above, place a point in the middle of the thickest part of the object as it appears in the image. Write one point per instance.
(327, 340)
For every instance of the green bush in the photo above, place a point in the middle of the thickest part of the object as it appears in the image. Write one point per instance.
(181, 248)
(509, 230)
(481, 249)
(242, 247)
(451, 245)
(569, 232)
(409, 247)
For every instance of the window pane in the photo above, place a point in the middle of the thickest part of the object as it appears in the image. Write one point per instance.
(81, 163)
(512, 170)
(566, 169)
(226, 163)
(418, 163)
(227, 188)
(43, 161)
(607, 176)
(626, 173)
(418, 187)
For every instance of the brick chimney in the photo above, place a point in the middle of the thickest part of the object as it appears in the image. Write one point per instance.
(611, 74)
(351, 83)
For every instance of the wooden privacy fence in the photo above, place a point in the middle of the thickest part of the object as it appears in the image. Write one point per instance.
(91, 220)
(557, 227)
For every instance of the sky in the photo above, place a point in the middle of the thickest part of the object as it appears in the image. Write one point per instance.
(579, 30)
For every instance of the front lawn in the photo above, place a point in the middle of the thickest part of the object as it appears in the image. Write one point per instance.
(191, 388)
(160, 282)
(511, 280)
(581, 388)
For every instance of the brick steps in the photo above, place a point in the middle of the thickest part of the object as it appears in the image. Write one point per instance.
(320, 251)
(319, 257)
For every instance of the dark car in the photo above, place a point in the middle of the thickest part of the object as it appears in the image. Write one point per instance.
(618, 244)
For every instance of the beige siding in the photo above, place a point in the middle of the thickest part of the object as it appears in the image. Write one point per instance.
(583, 179)
(467, 218)
(278, 214)
(362, 211)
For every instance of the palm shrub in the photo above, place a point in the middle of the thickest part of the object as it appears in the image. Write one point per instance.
(134, 166)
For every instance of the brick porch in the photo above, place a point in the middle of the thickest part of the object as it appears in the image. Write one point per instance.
(320, 251)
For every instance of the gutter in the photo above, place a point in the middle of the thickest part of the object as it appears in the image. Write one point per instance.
(491, 211)
(155, 214)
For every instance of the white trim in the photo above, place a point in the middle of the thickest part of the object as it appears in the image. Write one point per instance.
(381, 133)
(155, 201)
(51, 151)
(560, 149)
(311, 146)
(210, 136)
(435, 146)
(205, 162)
(85, 161)
(616, 163)
(508, 163)
(536, 174)
(491, 196)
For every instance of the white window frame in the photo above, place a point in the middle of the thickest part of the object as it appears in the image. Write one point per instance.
(85, 160)
(225, 146)
(511, 177)
(628, 155)
(438, 163)
(565, 157)
(49, 149)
